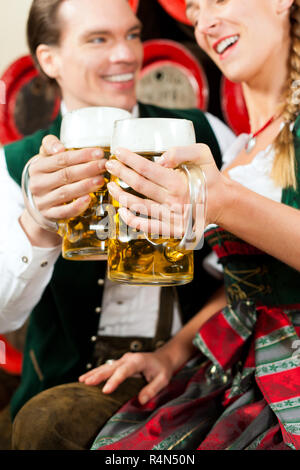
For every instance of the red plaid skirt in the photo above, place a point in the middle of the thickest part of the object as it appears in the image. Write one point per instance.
(241, 392)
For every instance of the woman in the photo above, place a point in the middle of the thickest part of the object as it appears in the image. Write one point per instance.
(243, 390)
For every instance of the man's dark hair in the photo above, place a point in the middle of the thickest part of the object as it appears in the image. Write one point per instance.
(44, 27)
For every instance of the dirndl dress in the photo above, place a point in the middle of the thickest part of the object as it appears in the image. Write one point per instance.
(242, 390)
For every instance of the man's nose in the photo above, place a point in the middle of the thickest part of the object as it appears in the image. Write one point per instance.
(122, 52)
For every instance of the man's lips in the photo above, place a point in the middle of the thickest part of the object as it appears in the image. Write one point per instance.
(119, 78)
(225, 43)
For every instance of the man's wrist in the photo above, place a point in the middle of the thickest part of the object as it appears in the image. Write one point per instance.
(37, 235)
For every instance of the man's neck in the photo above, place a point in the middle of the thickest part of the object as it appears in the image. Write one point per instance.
(134, 111)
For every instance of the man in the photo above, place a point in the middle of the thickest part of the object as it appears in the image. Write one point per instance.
(92, 50)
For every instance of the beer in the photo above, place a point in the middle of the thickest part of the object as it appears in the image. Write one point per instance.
(86, 237)
(133, 256)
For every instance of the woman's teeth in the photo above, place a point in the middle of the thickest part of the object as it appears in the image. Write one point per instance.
(223, 45)
(126, 77)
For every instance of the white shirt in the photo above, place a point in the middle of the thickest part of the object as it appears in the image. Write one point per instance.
(25, 271)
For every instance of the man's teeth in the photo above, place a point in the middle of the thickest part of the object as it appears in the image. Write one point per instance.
(223, 45)
(126, 77)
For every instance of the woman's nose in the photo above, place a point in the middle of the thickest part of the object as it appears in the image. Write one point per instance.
(207, 22)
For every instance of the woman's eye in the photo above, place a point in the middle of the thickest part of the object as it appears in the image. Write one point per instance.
(192, 15)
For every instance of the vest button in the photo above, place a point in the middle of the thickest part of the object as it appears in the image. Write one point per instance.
(89, 366)
(100, 282)
(93, 339)
(25, 259)
(136, 346)
(98, 309)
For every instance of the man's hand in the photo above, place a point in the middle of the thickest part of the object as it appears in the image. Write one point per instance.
(60, 183)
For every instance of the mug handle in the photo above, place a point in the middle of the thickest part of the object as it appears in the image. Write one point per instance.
(30, 205)
(193, 236)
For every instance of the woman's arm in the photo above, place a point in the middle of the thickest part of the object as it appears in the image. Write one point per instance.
(159, 366)
(270, 226)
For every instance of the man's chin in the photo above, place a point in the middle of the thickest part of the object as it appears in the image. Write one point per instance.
(122, 103)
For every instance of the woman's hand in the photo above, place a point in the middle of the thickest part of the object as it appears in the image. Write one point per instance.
(165, 187)
(156, 367)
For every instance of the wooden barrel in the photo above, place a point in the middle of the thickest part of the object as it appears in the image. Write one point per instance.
(172, 77)
(234, 107)
(27, 106)
(134, 4)
(175, 8)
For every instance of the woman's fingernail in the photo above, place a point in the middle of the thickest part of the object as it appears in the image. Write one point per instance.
(110, 165)
(97, 181)
(111, 187)
(97, 153)
(161, 160)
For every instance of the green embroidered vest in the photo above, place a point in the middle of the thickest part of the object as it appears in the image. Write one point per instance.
(58, 345)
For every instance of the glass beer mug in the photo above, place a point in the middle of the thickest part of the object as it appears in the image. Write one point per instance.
(84, 237)
(135, 257)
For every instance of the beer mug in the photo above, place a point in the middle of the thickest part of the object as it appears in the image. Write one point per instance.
(139, 258)
(84, 237)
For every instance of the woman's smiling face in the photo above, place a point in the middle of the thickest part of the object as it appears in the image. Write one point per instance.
(240, 36)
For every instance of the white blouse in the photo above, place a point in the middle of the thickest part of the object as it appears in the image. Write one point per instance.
(255, 176)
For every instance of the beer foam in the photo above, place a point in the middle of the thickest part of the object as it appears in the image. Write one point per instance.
(152, 134)
(90, 127)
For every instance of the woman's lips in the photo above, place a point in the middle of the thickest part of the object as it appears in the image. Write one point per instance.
(225, 45)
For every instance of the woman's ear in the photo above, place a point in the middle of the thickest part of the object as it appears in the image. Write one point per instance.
(283, 6)
(48, 59)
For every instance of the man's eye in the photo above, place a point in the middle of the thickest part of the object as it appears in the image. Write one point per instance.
(134, 36)
(97, 40)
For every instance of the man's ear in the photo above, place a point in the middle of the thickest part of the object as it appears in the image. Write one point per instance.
(283, 6)
(48, 59)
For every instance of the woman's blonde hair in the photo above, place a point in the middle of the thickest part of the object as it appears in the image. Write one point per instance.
(284, 168)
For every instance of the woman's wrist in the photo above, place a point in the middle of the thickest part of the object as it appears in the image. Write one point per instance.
(220, 200)
(176, 353)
